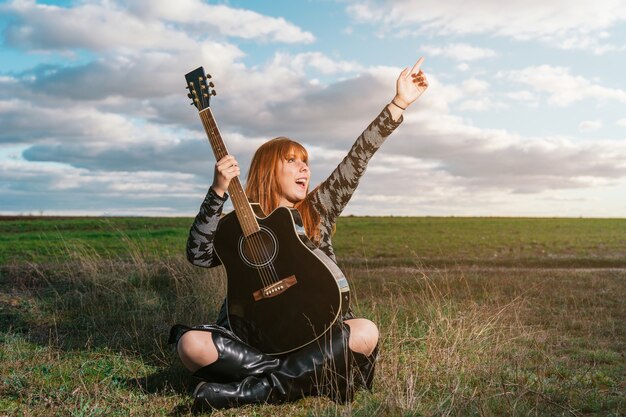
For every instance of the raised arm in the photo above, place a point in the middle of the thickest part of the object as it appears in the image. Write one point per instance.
(332, 195)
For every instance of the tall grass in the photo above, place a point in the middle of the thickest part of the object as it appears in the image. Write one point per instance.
(85, 335)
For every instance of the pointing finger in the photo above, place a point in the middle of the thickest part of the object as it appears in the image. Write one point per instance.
(417, 65)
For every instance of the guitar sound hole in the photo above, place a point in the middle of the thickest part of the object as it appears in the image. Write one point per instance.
(259, 249)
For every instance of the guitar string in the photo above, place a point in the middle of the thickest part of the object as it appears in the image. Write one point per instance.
(261, 251)
(261, 257)
(250, 241)
(255, 238)
(220, 152)
(268, 273)
(268, 256)
(256, 244)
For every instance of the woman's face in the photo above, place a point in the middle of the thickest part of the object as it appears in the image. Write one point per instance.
(293, 177)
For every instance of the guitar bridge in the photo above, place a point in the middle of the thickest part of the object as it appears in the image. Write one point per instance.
(275, 289)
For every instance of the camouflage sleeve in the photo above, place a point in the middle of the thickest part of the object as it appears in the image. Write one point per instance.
(332, 195)
(200, 241)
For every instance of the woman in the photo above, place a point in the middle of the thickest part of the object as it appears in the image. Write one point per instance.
(234, 373)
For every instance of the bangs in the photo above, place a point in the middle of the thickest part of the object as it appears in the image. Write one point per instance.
(294, 149)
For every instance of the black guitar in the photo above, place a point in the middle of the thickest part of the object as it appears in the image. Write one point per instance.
(283, 293)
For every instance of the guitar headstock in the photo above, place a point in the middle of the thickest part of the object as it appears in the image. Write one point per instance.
(200, 90)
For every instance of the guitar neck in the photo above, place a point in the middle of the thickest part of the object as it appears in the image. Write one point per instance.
(243, 209)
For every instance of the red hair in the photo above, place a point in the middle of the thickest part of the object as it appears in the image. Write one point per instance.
(264, 188)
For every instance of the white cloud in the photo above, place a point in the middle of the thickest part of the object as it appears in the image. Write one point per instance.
(479, 104)
(131, 75)
(589, 125)
(563, 23)
(489, 159)
(474, 85)
(317, 61)
(522, 95)
(562, 87)
(444, 146)
(229, 21)
(621, 122)
(92, 26)
(434, 153)
(107, 25)
(583, 41)
(59, 177)
(121, 134)
(459, 51)
(74, 124)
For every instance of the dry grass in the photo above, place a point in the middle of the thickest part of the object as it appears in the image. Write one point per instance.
(87, 337)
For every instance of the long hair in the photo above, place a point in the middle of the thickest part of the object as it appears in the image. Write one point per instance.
(264, 188)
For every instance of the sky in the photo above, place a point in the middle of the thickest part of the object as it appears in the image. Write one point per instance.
(525, 114)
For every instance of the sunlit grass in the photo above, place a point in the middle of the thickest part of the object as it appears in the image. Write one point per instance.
(85, 335)
(383, 241)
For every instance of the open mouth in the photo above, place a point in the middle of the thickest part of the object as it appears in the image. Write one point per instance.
(301, 182)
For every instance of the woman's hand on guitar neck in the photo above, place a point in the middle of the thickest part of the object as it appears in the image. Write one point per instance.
(226, 169)
(409, 87)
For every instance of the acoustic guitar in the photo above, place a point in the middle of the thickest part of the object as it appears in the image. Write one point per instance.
(282, 291)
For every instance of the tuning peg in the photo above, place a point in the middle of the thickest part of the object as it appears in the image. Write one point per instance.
(211, 84)
(190, 95)
(209, 76)
(213, 92)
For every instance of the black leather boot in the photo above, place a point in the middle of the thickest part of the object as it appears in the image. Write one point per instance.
(236, 361)
(365, 366)
(319, 368)
(360, 374)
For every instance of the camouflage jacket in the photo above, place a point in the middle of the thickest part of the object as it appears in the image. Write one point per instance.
(329, 199)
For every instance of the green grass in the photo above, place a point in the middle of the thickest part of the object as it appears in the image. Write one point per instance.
(488, 241)
(84, 332)
(436, 241)
(50, 239)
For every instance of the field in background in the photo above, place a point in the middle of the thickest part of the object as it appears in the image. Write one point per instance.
(437, 241)
(478, 316)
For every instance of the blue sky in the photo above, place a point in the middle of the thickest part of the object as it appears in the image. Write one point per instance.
(525, 114)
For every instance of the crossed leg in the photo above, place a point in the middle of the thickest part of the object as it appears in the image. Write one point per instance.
(196, 348)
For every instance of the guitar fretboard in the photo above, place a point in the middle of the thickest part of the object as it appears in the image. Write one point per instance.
(243, 209)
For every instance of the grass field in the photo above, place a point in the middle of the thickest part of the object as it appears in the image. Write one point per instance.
(381, 240)
(478, 316)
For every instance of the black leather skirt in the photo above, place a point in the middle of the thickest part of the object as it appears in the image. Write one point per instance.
(221, 326)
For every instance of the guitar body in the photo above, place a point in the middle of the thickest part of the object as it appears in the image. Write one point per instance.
(305, 290)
